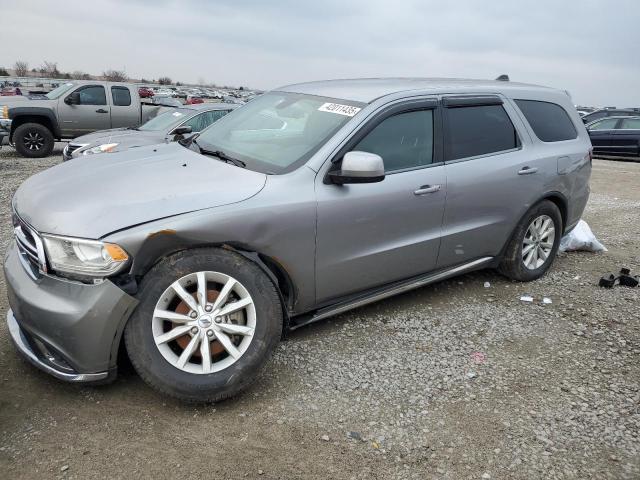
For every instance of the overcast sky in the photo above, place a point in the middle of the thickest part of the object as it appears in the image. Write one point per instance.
(588, 47)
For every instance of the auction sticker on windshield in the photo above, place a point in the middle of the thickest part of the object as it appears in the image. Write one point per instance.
(346, 110)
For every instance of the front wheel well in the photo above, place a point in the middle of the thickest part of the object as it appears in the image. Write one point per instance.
(271, 267)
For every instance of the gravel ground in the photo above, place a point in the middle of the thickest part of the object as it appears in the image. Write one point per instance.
(453, 381)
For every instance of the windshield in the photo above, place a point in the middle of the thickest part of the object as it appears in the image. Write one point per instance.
(166, 120)
(59, 91)
(277, 132)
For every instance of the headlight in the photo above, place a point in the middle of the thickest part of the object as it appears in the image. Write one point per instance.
(105, 148)
(90, 259)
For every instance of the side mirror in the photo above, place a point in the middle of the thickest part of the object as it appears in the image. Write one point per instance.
(184, 129)
(73, 99)
(359, 167)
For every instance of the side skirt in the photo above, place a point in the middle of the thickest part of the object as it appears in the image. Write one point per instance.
(386, 292)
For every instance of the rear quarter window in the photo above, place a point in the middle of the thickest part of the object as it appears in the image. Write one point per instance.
(121, 96)
(549, 121)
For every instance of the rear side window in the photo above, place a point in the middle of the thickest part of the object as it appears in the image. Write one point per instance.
(478, 130)
(403, 141)
(605, 124)
(121, 96)
(549, 121)
(631, 124)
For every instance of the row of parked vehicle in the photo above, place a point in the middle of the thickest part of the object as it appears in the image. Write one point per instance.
(76, 108)
(192, 95)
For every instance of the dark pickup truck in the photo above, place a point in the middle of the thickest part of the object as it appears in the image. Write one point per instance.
(34, 124)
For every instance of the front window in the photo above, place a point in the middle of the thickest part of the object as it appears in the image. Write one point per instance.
(92, 95)
(404, 141)
(59, 91)
(166, 120)
(277, 132)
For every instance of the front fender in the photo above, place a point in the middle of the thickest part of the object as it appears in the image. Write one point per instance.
(29, 113)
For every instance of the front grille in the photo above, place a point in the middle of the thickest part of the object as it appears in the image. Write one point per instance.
(30, 248)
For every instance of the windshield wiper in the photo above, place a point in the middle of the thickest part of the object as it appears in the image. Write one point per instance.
(222, 156)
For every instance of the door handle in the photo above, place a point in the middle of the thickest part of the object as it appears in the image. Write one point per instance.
(527, 170)
(102, 110)
(423, 190)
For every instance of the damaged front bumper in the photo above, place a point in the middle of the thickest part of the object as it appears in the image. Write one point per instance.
(68, 329)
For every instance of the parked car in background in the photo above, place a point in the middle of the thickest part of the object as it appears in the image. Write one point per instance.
(616, 136)
(10, 91)
(165, 100)
(74, 108)
(191, 100)
(203, 252)
(168, 126)
(145, 92)
(608, 112)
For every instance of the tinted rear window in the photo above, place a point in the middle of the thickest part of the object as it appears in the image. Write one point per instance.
(549, 121)
(478, 130)
(121, 96)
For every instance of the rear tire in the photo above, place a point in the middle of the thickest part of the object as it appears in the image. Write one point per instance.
(534, 243)
(253, 330)
(33, 140)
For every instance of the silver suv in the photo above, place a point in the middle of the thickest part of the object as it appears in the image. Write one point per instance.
(308, 201)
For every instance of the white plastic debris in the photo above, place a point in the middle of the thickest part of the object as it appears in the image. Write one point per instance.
(547, 300)
(581, 238)
(526, 298)
(487, 285)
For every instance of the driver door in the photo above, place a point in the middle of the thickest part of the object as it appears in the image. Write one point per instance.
(91, 114)
(377, 233)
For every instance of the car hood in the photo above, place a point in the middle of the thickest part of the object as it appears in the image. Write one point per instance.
(124, 137)
(20, 100)
(93, 196)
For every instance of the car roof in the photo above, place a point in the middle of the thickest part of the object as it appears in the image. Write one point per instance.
(367, 90)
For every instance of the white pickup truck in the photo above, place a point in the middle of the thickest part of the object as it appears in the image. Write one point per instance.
(32, 124)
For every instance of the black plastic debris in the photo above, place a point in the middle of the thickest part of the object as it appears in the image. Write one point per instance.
(625, 279)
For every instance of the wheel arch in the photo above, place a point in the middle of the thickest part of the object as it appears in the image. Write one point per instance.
(276, 272)
(43, 120)
(561, 202)
(159, 248)
(557, 198)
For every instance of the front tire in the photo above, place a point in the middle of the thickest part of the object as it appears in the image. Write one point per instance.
(207, 321)
(534, 244)
(33, 140)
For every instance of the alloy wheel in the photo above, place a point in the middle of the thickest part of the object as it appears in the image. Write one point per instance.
(538, 242)
(204, 322)
(33, 141)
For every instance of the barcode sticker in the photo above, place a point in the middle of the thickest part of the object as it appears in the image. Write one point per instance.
(346, 110)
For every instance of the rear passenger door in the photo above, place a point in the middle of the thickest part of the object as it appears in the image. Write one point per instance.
(123, 112)
(491, 176)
